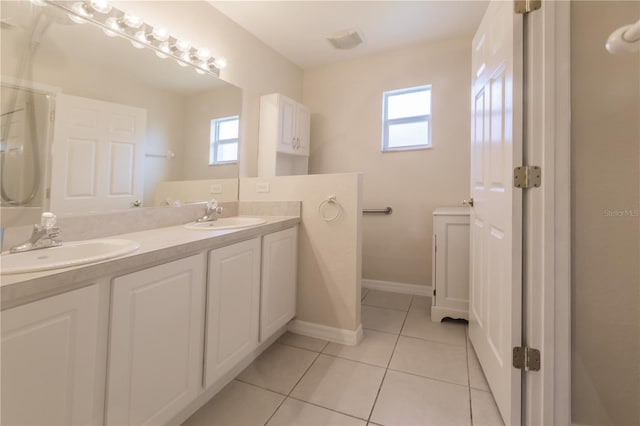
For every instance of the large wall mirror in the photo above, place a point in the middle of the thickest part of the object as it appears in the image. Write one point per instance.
(183, 125)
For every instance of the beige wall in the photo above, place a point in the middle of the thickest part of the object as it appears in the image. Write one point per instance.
(201, 108)
(346, 104)
(606, 249)
(330, 258)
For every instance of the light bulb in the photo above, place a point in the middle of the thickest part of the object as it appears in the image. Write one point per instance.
(182, 64)
(160, 33)
(81, 12)
(220, 62)
(183, 45)
(186, 56)
(132, 21)
(166, 50)
(203, 54)
(140, 35)
(100, 6)
(114, 26)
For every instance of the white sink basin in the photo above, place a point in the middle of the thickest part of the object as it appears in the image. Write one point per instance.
(226, 223)
(68, 254)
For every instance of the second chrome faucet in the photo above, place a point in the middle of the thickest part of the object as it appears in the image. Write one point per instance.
(212, 212)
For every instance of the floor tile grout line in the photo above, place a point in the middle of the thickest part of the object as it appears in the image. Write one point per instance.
(386, 307)
(260, 387)
(292, 388)
(427, 377)
(354, 360)
(386, 370)
(466, 341)
(431, 340)
(326, 408)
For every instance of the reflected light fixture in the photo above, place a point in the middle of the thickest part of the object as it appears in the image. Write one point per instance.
(118, 23)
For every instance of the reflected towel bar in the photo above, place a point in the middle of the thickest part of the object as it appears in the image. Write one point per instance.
(386, 211)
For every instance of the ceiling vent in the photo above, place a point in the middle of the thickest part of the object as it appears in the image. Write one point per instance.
(344, 40)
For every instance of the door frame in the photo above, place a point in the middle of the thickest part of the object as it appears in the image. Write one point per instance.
(547, 215)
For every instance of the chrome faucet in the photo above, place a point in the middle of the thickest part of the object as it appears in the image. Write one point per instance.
(212, 212)
(43, 236)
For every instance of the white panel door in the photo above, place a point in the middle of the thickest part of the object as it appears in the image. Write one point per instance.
(279, 280)
(495, 307)
(97, 155)
(50, 361)
(233, 305)
(155, 352)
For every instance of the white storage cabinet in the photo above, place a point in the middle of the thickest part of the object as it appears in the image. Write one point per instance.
(279, 280)
(155, 353)
(233, 306)
(284, 137)
(450, 263)
(53, 363)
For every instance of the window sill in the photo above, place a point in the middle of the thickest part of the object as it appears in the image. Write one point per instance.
(223, 163)
(408, 148)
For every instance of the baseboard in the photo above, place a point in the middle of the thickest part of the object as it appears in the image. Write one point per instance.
(324, 332)
(404, 288)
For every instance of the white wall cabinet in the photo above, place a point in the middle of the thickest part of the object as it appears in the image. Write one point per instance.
(279, 280)
(284, 136)
(450, 263)
(52, 366)
(233, 305)
(155, 353)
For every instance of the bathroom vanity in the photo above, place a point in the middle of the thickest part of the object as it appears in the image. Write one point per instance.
(149, 337)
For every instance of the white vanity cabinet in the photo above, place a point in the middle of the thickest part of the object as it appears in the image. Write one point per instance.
(53, 363)
(233, 305)
(279, 280)
(284, 136)
(450, 263)
(155, 352)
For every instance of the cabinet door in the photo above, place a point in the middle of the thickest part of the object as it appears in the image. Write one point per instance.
(50, 366)
(157, 319)
(279, 280)
(451, 267)
(303, 130)
(232, 307)
(287, 125)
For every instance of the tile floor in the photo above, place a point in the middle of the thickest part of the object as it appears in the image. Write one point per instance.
(407, 371)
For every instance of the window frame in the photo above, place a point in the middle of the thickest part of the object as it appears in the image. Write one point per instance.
(215, 141)
(386, 122)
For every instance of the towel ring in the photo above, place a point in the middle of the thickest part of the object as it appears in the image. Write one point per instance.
(322, 209)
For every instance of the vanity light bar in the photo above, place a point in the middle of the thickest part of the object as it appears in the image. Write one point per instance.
(115, 22)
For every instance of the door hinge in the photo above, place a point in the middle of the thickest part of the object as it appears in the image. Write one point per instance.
(526, 177)
(525, 358)
(523, 7)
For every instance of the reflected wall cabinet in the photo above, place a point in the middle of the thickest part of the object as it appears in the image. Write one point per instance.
(284, 137)
(450, 263)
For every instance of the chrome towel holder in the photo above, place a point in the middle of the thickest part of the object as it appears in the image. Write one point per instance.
(386, 211)
(325, 207)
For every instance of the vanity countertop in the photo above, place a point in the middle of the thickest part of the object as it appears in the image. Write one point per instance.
(156, 246)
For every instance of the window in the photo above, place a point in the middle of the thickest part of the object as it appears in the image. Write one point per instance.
(406, 119)
(224, 140)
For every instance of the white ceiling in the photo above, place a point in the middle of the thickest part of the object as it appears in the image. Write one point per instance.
(298, 29)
